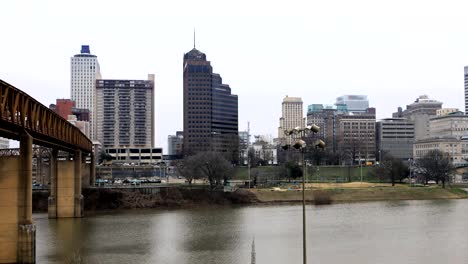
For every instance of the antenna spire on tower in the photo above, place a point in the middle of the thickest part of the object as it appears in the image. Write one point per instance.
(193, 37)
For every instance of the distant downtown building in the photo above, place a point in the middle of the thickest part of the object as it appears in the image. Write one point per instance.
(326, 116)
(292, 115)
(421, 111)
(66, 107)
(454, 124)
(456, 148)
(354, 103)
(82, 125)
(356, 137)
(466, 89)
(84, 72)
(446, 111)
(395, 136)
(244, 145)
(175, 143)
(125, 113)
(210, 109)
(4, 143)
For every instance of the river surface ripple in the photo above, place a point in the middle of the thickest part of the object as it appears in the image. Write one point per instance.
(376, 232)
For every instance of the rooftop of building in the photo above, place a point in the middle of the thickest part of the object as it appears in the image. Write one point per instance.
(150, 78)
(438, 139)
(317, 108)
(424, 99)
(394, 119)
(85, 52)
(458, 114)
(352, 97)
(194, 54)
(289, 99)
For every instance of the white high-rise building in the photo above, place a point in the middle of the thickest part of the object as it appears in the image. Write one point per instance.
(125, 113)
(4, 143)
(84, 72)
(292, 115)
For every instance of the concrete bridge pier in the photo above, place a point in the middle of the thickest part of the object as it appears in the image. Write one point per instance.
(92, 172)
(65, 198)
(52, 200)
(79, 201)
(17, 230)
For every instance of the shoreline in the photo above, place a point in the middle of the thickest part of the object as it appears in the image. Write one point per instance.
(181, 198)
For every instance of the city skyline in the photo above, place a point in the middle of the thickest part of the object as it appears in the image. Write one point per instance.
(345, 56)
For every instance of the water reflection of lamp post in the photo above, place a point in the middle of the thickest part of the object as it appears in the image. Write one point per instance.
(301, 145)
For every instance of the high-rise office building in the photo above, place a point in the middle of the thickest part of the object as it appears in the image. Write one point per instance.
(356, 137)
(125, 113)
(354, 103)
(84, 72)
(326, 116)
(292, 115)
(210, 110)
(420, 112)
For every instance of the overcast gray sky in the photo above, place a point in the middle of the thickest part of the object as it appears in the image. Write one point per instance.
(391, 51)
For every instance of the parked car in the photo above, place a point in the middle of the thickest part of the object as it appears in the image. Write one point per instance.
(135, 182)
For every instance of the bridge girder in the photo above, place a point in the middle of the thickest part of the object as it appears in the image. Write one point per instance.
(21, 113)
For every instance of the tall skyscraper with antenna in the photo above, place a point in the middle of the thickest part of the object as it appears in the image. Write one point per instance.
(210, 110)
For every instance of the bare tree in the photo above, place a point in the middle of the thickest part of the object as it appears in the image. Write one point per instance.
(189, 169)
(208, 165)
(391, 168)
(435, 165)
(350, 149)
(214, 167)
(253, 158)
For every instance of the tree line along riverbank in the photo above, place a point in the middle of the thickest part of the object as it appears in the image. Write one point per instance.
(178, 197)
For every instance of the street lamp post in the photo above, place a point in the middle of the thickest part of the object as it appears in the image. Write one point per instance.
(301, 145)
(360, 164)
(248, 165)
(410, 163)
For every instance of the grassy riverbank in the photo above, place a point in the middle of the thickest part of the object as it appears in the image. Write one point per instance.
(358, 192)
(167, 198)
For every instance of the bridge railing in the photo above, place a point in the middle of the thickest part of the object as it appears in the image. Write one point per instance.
(19, 110)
